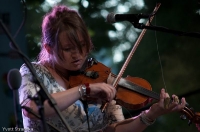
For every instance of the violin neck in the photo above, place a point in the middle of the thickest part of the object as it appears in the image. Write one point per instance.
(139, 89)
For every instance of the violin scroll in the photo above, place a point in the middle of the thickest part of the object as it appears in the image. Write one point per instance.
(193, 117)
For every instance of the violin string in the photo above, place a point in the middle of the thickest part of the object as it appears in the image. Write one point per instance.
(163, 79)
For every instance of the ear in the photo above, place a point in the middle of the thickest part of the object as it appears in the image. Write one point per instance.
(48, 48)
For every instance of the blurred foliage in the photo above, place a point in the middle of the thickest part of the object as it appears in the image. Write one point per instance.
(179, 55)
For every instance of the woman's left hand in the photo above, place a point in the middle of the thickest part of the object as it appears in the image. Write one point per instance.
(166, 105)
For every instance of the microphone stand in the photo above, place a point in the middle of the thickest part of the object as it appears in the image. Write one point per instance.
(163, 29)
(36, 115)
(42, 94)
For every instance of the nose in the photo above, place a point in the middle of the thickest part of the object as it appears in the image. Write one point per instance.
(74, 50)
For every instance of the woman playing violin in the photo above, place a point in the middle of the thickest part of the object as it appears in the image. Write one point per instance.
(65, 47)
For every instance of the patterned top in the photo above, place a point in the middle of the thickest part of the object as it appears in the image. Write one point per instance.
(74, 114)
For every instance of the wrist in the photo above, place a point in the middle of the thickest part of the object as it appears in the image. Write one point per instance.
(150, 114)
(154, 112)
(145, 119)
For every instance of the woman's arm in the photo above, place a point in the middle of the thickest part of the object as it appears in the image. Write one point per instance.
(139, 123)
(63, 100)
(66, 98)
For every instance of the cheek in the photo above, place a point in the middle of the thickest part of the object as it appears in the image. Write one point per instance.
(67, 60)
(64, 63)
(66, 57)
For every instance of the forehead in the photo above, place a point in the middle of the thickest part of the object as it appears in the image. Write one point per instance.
(66, 39)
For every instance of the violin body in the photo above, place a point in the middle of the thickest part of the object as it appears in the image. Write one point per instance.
(131, 99)
(125, 97)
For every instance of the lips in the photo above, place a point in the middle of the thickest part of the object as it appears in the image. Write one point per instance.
(76, 62)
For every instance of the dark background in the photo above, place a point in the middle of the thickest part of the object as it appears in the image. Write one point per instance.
(179, 54)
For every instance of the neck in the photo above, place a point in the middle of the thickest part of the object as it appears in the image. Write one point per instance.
(63, 73)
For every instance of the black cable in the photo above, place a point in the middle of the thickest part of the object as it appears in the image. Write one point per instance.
(23, 21)
(85, 106)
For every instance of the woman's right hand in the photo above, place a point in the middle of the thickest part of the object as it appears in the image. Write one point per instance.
(102, 91)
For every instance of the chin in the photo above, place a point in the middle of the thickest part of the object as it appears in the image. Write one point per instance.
(75, 68)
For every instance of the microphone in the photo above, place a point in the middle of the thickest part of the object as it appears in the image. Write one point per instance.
(112, 17)
(14, 81)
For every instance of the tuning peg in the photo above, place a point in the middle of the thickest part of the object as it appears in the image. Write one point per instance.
(183, 117)
(189, 122)
(192, 109)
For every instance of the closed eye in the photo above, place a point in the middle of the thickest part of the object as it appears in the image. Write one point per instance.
(83, 44)
(67, 49)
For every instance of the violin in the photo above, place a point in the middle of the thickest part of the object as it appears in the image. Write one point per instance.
(132, 92)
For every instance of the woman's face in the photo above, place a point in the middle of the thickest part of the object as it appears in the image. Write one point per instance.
(73, 59)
